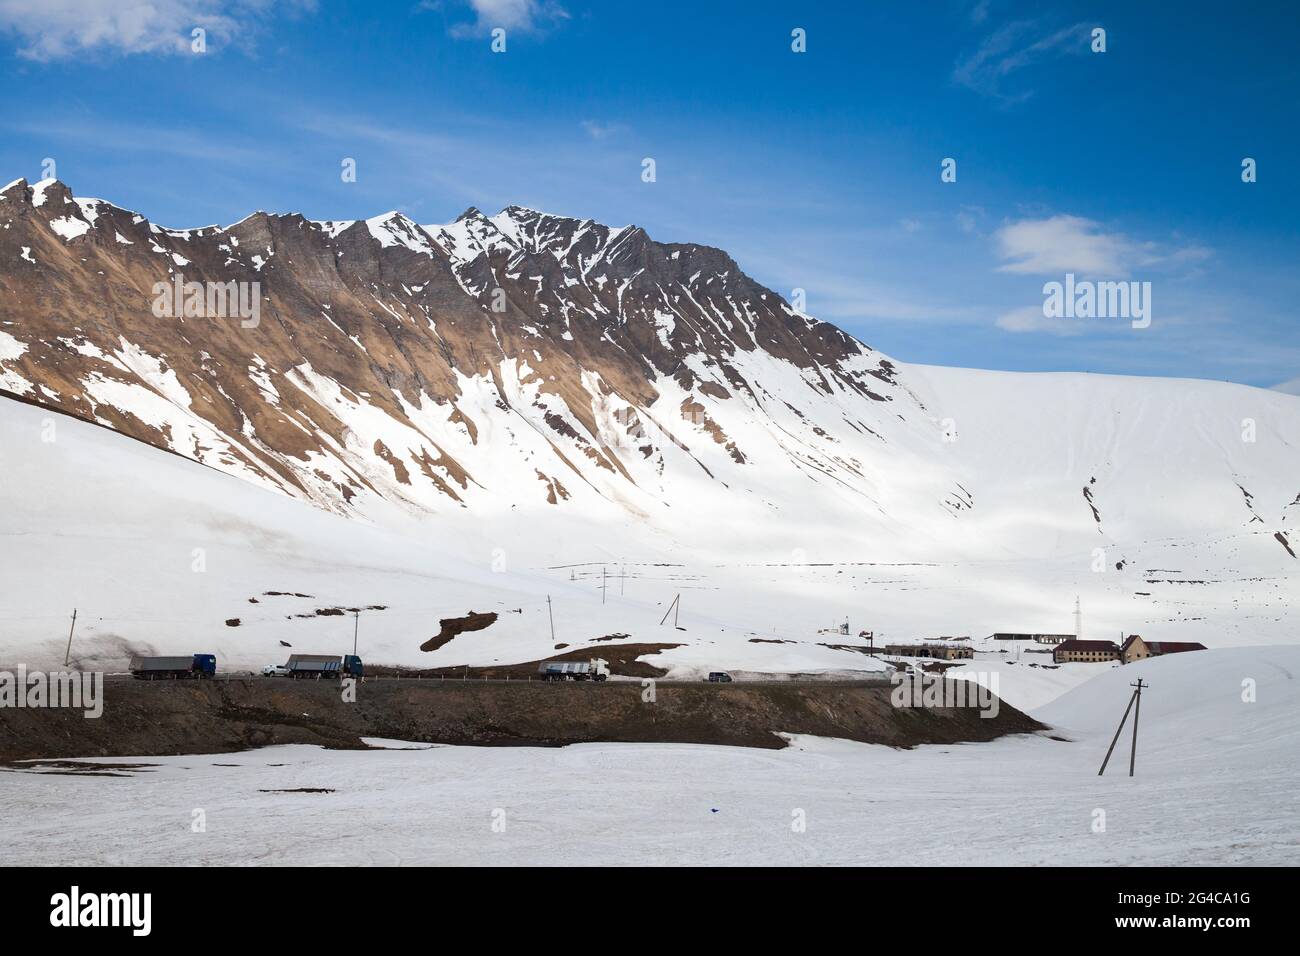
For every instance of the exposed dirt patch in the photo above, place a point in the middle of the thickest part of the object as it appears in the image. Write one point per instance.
(622, 660)
(174, 717)
(1087, 494)
(1282, 540)
(451, 626)
(79, 768)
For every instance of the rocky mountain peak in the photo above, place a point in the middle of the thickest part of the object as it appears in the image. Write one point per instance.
(383, 352)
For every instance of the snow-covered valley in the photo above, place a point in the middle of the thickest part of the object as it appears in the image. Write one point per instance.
(502, 410)
(1216, 783)
(156, 552)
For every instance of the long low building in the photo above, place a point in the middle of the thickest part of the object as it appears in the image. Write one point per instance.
(1075, 651)
(1036, 638)
(943, 652)
(1137, 649)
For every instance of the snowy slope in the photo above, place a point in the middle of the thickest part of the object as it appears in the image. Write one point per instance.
(110, 526)
(1244, 701)
(1146, 493)
(157, 553)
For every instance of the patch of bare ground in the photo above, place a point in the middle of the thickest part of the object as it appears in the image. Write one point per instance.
(621, 660)
(157, 718)
(451, 626)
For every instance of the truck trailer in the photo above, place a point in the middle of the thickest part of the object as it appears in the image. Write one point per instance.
(570, 670)
(324, 665)
(194, 667)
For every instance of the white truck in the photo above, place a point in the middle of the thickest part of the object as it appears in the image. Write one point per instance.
(573, 670)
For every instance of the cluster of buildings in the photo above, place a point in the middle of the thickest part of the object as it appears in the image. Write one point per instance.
(1134, 648)
(1066, 648)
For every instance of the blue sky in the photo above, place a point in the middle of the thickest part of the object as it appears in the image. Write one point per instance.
(818, 170)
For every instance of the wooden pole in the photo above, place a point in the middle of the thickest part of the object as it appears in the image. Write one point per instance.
(1118, 731)
(356, 626)
(68, 655)
(551, 615)
(669, 611)
(1137, 712)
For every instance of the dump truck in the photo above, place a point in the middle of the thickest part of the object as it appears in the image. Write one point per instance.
(324, 665)
(193, 667)
(570, 670)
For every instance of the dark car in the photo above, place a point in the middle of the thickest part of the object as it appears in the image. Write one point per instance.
(719, 677)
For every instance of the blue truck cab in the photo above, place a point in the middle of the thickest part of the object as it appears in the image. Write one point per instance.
(352, 666)
(205, 665)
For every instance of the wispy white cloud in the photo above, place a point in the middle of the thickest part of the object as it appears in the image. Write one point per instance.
(979, 12)
(1010, 49)
(846, 295)
(1030, 318)
(518, 16)
(1063, 243)
(129, 137)
(60, 29)
(969, 217)
(598, 130)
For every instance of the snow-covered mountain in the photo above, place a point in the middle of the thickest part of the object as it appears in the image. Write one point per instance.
(520, 358)
(525, 392)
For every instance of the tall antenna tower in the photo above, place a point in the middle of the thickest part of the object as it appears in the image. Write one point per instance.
(1078, 619)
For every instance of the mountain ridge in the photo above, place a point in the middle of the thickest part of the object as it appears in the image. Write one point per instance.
(592, 322)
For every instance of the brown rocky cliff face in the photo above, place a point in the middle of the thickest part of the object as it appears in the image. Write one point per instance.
(387, 318)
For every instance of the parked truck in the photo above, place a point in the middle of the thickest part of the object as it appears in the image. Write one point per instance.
(324, 665)
(193, 667)
(570, 670)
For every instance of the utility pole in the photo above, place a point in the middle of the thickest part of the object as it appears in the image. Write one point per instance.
(356, 626)
(671, 608)
(68, 656)
(550, 614)
(1137, 712)
(602, 584)
(1135, 699)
